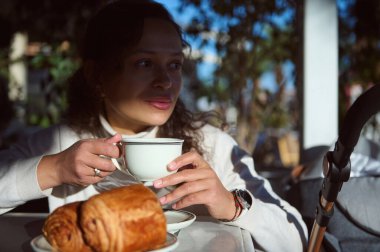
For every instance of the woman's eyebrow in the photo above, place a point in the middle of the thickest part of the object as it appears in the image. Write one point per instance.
(145, 51)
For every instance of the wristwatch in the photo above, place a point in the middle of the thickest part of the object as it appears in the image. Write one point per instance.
(243, 202)
(244, 199)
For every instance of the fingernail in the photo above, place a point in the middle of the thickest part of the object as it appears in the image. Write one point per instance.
(157, 183)
(163, 200)
(172, 165)
(174, 206)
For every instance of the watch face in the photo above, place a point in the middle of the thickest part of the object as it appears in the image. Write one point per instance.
(244, 198)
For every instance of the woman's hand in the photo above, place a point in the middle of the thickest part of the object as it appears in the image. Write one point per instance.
(76, 165)
(198, 184)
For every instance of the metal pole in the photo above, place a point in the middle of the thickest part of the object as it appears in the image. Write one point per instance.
(318, 231)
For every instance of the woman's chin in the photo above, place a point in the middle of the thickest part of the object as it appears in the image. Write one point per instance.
(158, 121)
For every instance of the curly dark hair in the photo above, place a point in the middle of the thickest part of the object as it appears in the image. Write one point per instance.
(115, 28)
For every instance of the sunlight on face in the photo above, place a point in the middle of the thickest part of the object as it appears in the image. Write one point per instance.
(145, 91)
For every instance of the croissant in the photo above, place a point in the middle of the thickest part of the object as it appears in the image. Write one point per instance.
(123, 219)
(62, 231)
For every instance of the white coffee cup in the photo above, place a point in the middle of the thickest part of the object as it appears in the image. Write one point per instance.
(147, 158)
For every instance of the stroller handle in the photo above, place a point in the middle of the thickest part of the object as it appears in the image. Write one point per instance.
(336, 164)
(357, 115)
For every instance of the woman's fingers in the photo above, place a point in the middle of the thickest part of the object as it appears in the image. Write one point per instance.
(99, 147)
(191, 158)
(185, 189)
(97, 153)
(88, 175)
(199, 185)
(191, 199)
(113, 139)
(78, 163)
(186, 175)
(102, 163)
(97, 174)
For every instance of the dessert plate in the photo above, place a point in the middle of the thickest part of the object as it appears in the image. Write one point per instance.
(40, 244)
(176, 220)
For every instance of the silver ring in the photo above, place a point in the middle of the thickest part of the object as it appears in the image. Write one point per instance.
(97, 172)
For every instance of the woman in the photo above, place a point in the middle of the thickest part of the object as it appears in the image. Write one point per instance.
(129, 86)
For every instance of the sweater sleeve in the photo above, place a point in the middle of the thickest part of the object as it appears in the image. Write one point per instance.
(273, 223)
(18, 168)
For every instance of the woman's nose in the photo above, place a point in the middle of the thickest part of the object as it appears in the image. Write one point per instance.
(162, 79)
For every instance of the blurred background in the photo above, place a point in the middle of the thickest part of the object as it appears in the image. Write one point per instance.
(281, 72)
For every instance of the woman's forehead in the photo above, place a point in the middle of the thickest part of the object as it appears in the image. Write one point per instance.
(159, 36)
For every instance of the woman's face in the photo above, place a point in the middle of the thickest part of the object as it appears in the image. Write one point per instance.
(144, 92)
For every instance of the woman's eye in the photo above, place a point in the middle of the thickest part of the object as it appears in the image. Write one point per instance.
(175, 65)
(143, 63)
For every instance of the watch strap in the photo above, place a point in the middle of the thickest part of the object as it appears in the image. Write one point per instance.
(238, 207)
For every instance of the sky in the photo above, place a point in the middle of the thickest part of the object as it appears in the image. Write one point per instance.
(205, 70)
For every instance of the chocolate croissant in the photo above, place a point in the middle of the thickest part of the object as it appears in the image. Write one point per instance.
(61, 229)
(124, 219)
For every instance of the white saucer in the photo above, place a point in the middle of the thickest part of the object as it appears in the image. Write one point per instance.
(176, 220)
(40, 244)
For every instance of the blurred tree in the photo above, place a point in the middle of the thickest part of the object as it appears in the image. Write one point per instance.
(46, 106)
(48, 20)
(250, 38)
(359, 41)
(359, 50)
(53, 29)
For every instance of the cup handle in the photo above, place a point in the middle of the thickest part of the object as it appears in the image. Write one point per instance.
(119, 167)
(114, 160)
(115, 163)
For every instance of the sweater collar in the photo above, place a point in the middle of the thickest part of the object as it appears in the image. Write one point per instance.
(151, 132)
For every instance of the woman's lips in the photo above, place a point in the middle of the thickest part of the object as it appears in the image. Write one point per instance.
(160, 103)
